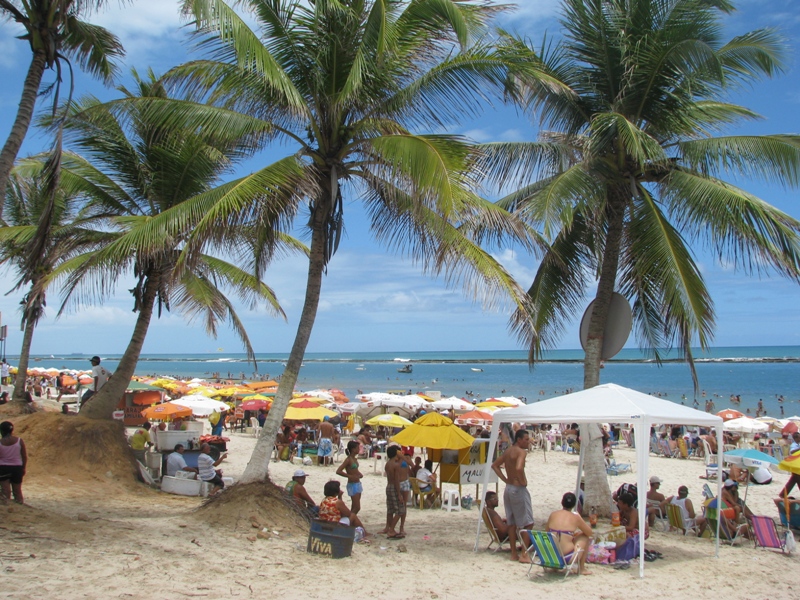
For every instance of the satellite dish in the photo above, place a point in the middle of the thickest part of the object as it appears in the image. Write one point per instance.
(618, 326)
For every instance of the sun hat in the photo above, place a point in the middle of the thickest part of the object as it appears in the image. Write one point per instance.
(299, 473)
(655, 479)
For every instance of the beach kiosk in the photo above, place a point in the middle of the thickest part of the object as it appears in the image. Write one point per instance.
(466, 466)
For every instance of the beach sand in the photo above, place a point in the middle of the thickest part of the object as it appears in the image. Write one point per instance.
(98, 536)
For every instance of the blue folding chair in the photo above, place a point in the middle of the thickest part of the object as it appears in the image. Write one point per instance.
(543, 550)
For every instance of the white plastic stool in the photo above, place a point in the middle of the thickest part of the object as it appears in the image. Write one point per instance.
(379, 456)
(450, 500)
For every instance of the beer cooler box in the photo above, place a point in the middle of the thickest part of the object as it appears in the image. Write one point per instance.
(330, 539)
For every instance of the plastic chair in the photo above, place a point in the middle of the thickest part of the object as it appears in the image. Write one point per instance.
(545, 552)
(418, 495)
(255, 426)
(493, 532)
(450, 500)
(765, 534)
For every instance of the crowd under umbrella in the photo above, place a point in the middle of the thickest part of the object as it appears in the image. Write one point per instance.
(751, 460)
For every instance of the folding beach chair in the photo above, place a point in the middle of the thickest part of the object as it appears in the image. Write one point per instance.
(676, 521)
(765, 534)
(615, 468)
(626, 435)
(544, 551)
(493, 532)
(665, 450)
(725, 534)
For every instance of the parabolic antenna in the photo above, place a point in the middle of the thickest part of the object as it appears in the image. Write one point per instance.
(618, 326)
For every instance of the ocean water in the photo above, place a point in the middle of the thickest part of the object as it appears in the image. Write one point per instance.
(753, 373)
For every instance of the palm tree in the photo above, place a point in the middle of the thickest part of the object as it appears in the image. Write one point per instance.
(55, 32)
(69, 235)
(135, 170)
(344, 82)
(630, 167)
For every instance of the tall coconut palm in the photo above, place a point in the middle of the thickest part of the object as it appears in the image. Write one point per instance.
(630, 168)
(135, 170)
(70, 234)
(56, 33)
(345, 82)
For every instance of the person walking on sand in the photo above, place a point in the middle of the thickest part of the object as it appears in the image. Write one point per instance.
(13, 461)
(516, 498)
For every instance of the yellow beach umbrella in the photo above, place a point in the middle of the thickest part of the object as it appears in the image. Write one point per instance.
(308, 414)
(316, 401)
(389, 420)
(494, 404)
(257, 397)
(791, 463)
(434, 431)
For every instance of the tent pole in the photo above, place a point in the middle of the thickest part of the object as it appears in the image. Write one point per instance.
(580, 471)
(485, 482)
(642, 433)
(720, 462)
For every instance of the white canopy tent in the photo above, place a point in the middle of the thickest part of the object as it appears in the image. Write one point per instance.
(610, 403)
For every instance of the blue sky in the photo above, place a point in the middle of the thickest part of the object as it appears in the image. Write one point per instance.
(374, 301)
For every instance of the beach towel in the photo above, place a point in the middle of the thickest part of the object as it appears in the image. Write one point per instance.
(629, 550)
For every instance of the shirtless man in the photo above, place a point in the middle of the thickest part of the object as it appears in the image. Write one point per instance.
(516, 498)
(325, 448)
(395, 506)
(499, 523)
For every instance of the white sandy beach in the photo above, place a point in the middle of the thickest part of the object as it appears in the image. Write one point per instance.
(92, 536)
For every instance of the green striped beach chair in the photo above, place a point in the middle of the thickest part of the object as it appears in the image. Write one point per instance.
(543, 550)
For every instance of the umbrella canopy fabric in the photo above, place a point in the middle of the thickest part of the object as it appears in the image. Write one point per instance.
(750, 458)
(473, 416)
(308, 402)
(200, 405)
(389, 420)
(138, 385)
(453, 403)
(789, 428)
(745, 425)
(317, 413)
(255, 404)
(434, 431)
(729, 414)
(791, 463)
(166, 411)
(493, 403)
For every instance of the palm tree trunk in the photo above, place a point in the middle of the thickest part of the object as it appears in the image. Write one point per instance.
(102, 404)
(258, 466)
(22, 366)
(27, 103)
(597, 491)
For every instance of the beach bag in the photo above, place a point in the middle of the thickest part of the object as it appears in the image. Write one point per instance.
(213, 418)
(791, 545)
(629, 549)
(285, 453)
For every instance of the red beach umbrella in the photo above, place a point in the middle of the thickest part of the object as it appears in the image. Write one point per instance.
(729, 414)
(789, 428)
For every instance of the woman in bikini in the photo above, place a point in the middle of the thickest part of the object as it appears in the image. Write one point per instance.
(349, 469)
(572, 532)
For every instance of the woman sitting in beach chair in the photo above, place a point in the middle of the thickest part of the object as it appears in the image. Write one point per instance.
(571, 531)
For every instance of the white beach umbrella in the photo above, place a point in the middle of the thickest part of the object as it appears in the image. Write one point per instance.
(511, 400)
(201, 405)
(745, 425)
(794, 418)
(376, 396)
(453, 403)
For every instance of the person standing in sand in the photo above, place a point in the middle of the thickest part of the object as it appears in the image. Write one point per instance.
(349, 469)
(13, 460)
(100, 375)
(325, 447)
(516, 498)
(395, 507)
